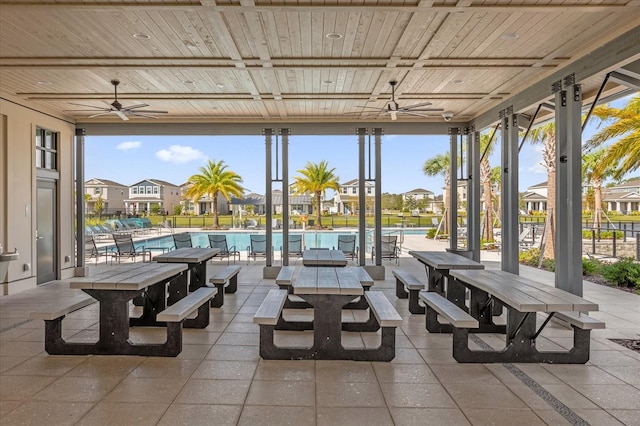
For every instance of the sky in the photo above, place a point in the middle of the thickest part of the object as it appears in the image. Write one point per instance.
(128, 160)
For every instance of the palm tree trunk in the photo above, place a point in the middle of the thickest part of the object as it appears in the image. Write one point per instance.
(485, 178)
(318, 212)
(597, 196)
(549, 247)
(216, 224)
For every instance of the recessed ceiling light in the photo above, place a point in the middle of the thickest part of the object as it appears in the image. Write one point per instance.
(457, 81)
(187, 82)
(141, 36)
(510, 36)
(333, 36)
(220, 86)
(328, 81)
(44, 82)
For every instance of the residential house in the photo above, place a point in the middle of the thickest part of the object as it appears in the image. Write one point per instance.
(346, 199)
(298, 204)
(149, 194)
(623, 198)
(112, 194)
(202, 206)
(423, 198)
(535, 197)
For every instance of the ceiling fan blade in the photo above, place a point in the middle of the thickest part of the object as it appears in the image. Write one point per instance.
(150, 111)
(87, 106)
(135, 106)
(140, 114)
(418, 115)
(121, 115)
(423, 104)
(423, 110)
(100, 114)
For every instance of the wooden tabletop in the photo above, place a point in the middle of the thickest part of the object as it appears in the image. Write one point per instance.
(187, 255)
(132, 276)
(524, 294)
(445, 260)
(323, 258)
(330, 280)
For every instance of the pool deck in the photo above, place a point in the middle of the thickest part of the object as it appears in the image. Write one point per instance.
(220, 379)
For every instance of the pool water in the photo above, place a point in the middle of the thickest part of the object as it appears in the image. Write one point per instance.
(312, 239)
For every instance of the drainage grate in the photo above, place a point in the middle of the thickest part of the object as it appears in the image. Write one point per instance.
(633, 344)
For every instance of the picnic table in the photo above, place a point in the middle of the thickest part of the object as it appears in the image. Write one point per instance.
(113, 288)
(324, 258)
(328, 290)
(438, 265)
(196, 258)
(524, 299)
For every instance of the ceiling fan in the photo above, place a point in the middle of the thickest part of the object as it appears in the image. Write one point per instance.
(117, 108)
(394, 109)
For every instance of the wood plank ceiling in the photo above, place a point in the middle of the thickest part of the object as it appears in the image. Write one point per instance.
(294, 61)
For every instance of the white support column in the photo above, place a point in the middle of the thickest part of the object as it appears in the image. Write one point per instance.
(268, 133)
(509, 165)
(473, 189)
(568, 209)
(453, 188)
(285, 195)
(80, 133)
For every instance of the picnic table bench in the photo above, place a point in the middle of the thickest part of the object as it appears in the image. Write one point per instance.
(327, 290)
(114, 288)
(226, 281)
(331, 258)
(524, 299)
(195, 257)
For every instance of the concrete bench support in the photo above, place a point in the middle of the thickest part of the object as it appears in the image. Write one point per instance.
(408, 286)
(226, 281)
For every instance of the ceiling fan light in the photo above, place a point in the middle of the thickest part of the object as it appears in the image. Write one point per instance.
(141, 36)
(333, 36)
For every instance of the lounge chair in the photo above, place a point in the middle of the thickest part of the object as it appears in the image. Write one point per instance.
(91, 250)
(295, 246)
(182, 240)
(220, 242)
(390, 249)
(347, 243)
(126, 248)
(257, 247)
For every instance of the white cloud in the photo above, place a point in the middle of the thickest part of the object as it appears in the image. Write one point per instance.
(125, 146)
(538, 168)
(180, 154)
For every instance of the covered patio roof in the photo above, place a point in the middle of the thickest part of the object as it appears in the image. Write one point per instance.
(317, 65)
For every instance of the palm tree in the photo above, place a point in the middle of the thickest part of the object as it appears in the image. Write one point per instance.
(440, 165)
(316, 179)
(214, 178)
(593, 176)
(623, 154)
(485, 179)
(546, 135)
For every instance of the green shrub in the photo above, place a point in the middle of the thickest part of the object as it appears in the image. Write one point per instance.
(530, 257)
(622, 273)
(431, 232)
(590, 267)
(549, 264)
(604, 235)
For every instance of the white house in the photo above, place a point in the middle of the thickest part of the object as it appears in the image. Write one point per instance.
(112, 194)
(151, 193)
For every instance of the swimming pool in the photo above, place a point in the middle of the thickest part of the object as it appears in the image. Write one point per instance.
(312, 239)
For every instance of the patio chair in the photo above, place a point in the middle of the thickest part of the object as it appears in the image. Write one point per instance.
(91, 250)
(220, 242)
(182, 240)
(347, 243)
(390, 249)
(295, 246)
(257, 247)
(126, 248)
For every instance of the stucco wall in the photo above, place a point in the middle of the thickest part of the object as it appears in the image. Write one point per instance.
(18, 193)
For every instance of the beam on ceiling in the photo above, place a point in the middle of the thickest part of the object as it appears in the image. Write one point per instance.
(614, 54)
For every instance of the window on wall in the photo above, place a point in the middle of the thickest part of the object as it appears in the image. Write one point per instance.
(156, 190)
(354, 190)
(46, 149)
(134, 190)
